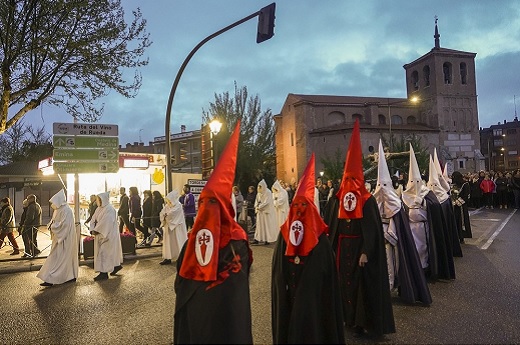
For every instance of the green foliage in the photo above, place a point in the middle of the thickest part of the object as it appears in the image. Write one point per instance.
(256, 150)
(333, 166)
(68, 53)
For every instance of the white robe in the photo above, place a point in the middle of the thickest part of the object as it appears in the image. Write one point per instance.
(174, 225)
(267, 228)
(281, 204)
(62, 264)
(107, 243)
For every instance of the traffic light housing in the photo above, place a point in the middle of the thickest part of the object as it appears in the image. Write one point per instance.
(266, 23)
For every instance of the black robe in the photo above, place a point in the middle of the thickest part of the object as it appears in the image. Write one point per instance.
(215, 315)
(462, 213)
(365, 290)
(305, 297)
(447, 207)
(411, 280)
(445, 268)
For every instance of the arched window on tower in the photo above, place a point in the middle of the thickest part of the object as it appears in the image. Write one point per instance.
(358, 117)
(415, 80)
(411, 120)
(447, 70)
(426, 75)
(397, 120)
(335, 118)
(463, 73)
(382, 119)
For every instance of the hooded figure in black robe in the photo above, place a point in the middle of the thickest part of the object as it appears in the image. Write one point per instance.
(306, 301)
(212, 284)
(460, 198)
(404, 268)
(357, 238)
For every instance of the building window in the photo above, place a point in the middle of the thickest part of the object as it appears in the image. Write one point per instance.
(498, 142)
(447, 71)
(462, 163)
(415, 80)
(335, 118)
(511, 131)
(497, 132)
(382, 119)
(411, 120)
(397, 120)
(358, 117)
(513, 164)
(196, 160)
(292, 139)
(463, 73)
(426, 75)
(195, 145)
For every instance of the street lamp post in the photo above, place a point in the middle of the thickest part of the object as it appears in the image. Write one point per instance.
(214, 127)
(413, 100)
(264, 32)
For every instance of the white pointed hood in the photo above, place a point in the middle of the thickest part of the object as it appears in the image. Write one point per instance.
(387, 199)
(444, 183)
(59, 199)
(434, 183)
(445, 174)
(416, 190)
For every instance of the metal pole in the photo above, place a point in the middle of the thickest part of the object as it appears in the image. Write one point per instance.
(168, 180)
(390, 123)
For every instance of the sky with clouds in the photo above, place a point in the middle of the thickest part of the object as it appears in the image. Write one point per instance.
(331, 47)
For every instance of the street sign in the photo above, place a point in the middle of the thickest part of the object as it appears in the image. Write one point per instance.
(86, 154)
(84, 142)
(85, 129)
(85, 167)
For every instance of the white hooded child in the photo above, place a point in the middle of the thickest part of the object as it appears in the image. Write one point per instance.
(174, 227)
(281, 202)
(61, 266)
(108, 254)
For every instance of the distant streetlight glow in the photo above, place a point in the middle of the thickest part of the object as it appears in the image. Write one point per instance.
(215, 126)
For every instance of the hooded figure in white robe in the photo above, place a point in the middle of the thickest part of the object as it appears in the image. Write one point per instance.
(281, 202)
(174, 227)
(267, 228)
(62, 263)
(108, 253)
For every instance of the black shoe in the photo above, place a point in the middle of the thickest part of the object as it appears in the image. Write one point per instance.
(46, 284)
(116, 269)
(165, 262)
(101, 276)
(25, 255)
(254, 242)
(73, 280)
(36, 252)
(15, 252)
(266, 243)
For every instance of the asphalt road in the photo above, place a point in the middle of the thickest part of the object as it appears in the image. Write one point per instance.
(481, 305)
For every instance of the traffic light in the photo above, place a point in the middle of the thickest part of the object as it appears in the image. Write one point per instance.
(266, 23)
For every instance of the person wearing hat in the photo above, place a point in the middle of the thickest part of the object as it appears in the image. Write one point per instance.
(404, 268)
(7, 224)
(212, 299)
(356, 232)
(305, 296)
(108, 253)
(62, 264)
(174, 225)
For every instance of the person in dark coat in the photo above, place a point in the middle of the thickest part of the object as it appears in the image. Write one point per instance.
(305, 296)
(157, 206)
(356, 232)
(123, 212)
(404, 267)
(460, 197)
(147, 216)
(212, 300)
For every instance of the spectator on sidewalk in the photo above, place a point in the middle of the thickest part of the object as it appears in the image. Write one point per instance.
(91, 207)
(250, 202)
(136, 212)
(188, 206)
(147, 216)
(7, 225)
(62, 264)
(123, 213)
(487, 186)
(33, 220)
(515, 186)
(21, 230)
(157, 206)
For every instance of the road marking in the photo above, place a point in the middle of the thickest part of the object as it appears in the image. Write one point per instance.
(497, 231)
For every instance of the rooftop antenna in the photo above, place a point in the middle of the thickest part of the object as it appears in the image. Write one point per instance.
(514, 100)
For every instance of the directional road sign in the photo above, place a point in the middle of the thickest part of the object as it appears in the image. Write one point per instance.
(85, 129)
(86, 154)
(85, 167)
(71, 141)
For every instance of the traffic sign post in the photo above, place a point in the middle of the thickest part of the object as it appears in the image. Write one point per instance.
(85, 129)
(85, 167)
(71, 141)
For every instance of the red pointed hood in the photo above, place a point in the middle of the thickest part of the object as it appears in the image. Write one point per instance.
(304, 225)
(352, 193)
(215, 225)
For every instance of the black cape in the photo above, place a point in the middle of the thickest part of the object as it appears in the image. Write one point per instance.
(451, 223)
(305, 297)
(365, 290)
(411, 280)
(441, 264)
(217, 315)
(462, 213)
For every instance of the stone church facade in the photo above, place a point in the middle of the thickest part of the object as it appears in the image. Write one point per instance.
(445, 116)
